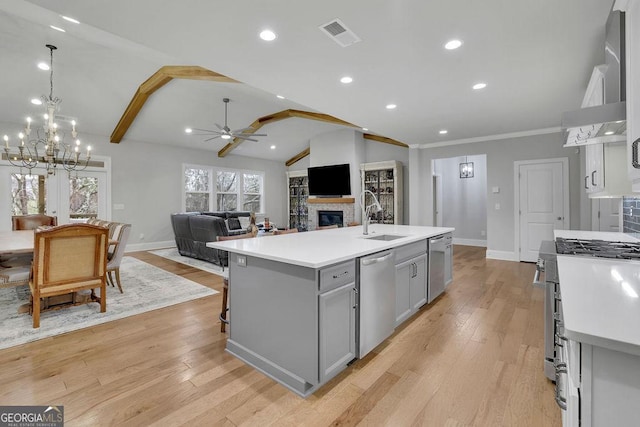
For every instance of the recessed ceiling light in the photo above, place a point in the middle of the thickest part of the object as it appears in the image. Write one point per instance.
(280, 96)
(43, 66)
(346, 80)
(36, 101)
(188, 130)
(57, 28)
(443, 132)
(479, 86)
(67, 18)
(453, 44)
(273, 147)
(268, 35)
(365, 129)
(391, 106)
(609, 132)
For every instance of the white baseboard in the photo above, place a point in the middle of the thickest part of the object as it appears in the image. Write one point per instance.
(150, 246)
(470, 242)
(502, 255)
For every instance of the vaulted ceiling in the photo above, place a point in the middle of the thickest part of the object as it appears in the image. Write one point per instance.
(536, 58)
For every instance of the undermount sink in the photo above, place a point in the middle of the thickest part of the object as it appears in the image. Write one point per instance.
(385, 237)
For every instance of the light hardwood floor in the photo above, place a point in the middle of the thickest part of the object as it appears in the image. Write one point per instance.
(473, 357)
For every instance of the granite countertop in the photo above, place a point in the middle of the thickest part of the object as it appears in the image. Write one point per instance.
(609, 236)
(317, 249)
(600, 301)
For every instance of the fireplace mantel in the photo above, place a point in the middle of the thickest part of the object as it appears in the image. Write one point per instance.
(330, 200)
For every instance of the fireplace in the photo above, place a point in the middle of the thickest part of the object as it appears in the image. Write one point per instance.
(330, 217)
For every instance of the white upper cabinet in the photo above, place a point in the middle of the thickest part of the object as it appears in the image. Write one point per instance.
(632, 39)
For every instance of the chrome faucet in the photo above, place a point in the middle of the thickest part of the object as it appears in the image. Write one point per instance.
(366, 211)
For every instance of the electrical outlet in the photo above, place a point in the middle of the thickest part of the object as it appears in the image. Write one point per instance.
(141, 236)
(242, 261)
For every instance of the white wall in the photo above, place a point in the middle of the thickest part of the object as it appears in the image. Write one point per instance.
(500, 157)
(464, 201)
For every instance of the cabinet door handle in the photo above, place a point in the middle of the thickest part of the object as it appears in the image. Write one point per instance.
(593, 180)
(634, 154)
(355, 298)
(561, 368)
(586, 184)
(339, 275)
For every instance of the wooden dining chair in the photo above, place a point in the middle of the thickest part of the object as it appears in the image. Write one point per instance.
(31, 222)
(68, 259)
(327, 227)
(225, 286)
(288, 231)
(119, 235)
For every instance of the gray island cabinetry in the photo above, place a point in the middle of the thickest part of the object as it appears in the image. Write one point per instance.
(411, 279)
(296, 302)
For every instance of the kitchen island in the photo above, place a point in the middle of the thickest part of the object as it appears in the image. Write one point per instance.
(297, 300)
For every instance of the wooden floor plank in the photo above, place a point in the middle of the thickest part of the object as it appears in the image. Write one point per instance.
(473, 357)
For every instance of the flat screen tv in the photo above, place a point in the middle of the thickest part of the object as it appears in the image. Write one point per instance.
(326, 181)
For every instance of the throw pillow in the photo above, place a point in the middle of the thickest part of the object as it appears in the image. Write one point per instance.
(244, 222)
(233, 224)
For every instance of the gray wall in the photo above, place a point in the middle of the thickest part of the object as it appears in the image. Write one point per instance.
(501, 155)
(373, 152)
(464, 201)
(147, 180)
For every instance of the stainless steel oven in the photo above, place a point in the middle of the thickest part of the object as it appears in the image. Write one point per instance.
(547, 277)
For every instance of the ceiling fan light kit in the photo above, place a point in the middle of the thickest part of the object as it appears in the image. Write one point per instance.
(225, 132)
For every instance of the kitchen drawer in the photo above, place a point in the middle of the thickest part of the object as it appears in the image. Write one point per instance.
(412, 250)
(337, 275)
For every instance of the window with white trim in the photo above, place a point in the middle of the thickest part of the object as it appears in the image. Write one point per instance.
(233, 190)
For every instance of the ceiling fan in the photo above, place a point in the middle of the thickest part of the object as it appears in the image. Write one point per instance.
(225, 132)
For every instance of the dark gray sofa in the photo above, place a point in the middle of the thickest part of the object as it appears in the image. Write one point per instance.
(193, 230)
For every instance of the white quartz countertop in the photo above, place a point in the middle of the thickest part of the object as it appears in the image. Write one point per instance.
(595, 235)
(321, 248)
(600, 301)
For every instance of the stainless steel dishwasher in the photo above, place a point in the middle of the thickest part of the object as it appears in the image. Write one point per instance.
(437, 248)
(377, 300)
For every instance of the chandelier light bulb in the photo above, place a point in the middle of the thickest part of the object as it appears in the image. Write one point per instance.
(21, 135)
(76, 149)
(77, 142)
(46, 116)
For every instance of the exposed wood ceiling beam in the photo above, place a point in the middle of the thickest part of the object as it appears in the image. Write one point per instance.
(282, 115)
(301, 155)
(160, 78)
(384, 139)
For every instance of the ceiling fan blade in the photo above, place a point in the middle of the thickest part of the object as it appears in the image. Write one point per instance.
(250, 134)
(242, 130)
(219, 127)
(217, 136)
(245, 138)
(206, 130)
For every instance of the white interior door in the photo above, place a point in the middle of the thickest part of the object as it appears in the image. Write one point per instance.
(541, 205)
(605, 214)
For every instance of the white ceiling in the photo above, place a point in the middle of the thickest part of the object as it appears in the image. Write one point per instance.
(535, 56)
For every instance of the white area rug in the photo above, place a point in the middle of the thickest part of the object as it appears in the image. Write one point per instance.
(145, 286)
(174, 255)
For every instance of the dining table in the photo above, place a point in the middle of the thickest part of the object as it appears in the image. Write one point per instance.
(16, 242)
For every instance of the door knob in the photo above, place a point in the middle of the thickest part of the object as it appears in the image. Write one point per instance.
(560, 218)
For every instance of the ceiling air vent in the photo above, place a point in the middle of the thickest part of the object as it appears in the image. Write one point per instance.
(338, 32)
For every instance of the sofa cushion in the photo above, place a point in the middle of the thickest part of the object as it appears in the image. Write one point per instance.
(233, 224)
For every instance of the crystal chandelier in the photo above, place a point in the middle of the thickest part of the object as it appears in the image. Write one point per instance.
(48, 146)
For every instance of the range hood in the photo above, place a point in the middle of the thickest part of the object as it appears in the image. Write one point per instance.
(606, 122)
